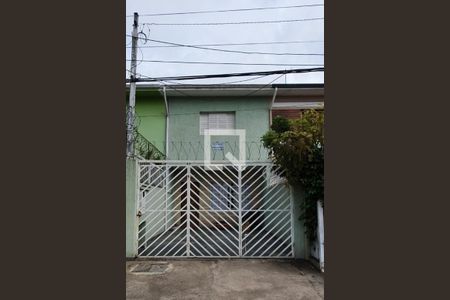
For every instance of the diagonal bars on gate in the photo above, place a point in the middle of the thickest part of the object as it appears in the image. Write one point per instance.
(188, 210)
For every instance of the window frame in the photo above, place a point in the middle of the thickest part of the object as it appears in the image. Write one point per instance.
(208, 122)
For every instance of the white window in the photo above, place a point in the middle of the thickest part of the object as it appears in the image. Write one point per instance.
(217, 120)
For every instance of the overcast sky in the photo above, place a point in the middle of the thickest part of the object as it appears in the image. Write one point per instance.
(280, 32)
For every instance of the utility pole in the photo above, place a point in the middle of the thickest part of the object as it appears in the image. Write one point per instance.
(132, 99)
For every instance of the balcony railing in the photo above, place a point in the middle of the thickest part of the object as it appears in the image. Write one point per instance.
(194, 150)
(145, 149)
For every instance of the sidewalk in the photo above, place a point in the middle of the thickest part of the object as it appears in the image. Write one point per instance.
(223, 279)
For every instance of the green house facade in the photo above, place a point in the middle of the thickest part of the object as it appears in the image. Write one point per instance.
(224, 212)
(186, 133)
(150, 112)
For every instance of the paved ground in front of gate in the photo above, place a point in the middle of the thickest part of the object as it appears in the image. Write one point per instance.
(225, 279)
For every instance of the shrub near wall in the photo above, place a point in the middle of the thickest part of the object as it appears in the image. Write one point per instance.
(297, 146)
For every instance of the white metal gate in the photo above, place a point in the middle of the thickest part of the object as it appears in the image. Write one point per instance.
(188, 210)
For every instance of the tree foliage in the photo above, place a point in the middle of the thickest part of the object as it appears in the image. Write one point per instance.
(297, 146)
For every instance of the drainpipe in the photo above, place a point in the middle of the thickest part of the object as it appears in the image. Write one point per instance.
(270, 109)
(271, 104)
(166, 152)
(320, 235)
(167, 120)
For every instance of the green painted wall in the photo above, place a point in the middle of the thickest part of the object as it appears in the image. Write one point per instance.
(151, 110)
(130, 210)
(252, 114)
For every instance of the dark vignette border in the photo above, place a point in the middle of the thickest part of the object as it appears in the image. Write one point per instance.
(64, 173)
(63, 149)
(386, 182)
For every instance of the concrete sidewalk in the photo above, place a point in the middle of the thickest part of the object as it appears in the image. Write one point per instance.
(223, 279)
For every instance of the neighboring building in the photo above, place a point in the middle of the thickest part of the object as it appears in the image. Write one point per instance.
(292, 99)
(187, 209)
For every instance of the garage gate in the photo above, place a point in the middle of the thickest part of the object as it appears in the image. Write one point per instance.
(188, 210)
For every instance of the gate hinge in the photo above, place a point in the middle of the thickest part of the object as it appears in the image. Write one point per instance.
(139, 214)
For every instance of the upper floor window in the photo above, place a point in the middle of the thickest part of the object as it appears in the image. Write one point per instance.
(217, 120)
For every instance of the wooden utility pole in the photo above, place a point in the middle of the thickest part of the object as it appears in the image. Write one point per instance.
(132, 99)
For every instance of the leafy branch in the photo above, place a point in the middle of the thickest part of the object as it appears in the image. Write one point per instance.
(297, 146)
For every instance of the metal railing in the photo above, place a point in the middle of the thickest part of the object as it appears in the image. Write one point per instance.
(194, 150)
(144, 149)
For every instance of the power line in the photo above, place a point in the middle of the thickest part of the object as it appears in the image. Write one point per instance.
(172, 88)
(215, 84)
(226, 10)
(233, 51)
(235, 44)
(164, 83)
(225, 63)
(254, 92)
(207, 76)
(239, 81)
(234, 23)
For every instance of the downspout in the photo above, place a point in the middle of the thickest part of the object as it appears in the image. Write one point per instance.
(271, 104)
(166, 153)
(270, 111)
(167, 121)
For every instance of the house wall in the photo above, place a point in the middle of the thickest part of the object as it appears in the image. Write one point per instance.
(130, 210)
(293, 112)
(302, 98)
(151, 111)
(287, 113)
(252, 114)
